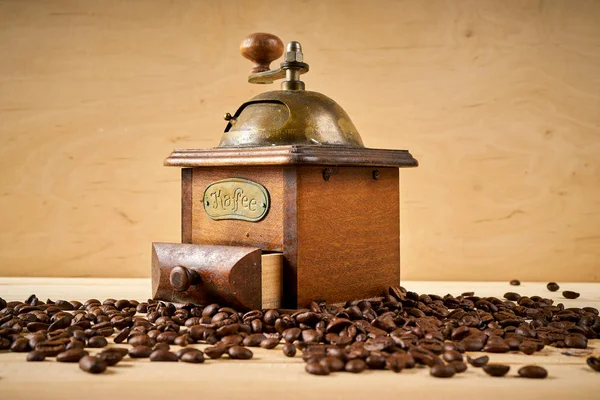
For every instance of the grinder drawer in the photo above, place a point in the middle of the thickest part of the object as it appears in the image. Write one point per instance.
(237, 276)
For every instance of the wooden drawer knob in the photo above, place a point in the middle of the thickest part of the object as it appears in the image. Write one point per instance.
(182, 278)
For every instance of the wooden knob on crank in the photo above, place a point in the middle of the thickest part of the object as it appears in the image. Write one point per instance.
(182, 278)
(261, 49)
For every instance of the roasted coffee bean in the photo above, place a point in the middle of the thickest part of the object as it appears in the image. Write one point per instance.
(552, 286)
(194, 356)
(512, 296)
(533, 372)
(181, 341)
(496, 347)
(316, 368)
(290, 335)
(73, 355)
(479, 361)
(568, 294)
(515, 282)
(50, 348)
(253, 340)
(161, 346)
(289, 350)
(141, 340)
(21, 345)
(355, 366)
(122, 335)
(167, 337)
(184, 350)
(459, 366)
(35, 356)
(442, 371)
(97, 341)
(452, 355)
(239, 353)
(163, 356)
(528, 347)
(594, 363)
(376, 360)
(75, 344)
(496, 369)
(334, 364)
(269, 343)
(576, 341)
(110, 357)
(215, 352)
(92, 365)
(140, 352)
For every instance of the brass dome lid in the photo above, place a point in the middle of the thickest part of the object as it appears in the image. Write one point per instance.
(285, 117)
(291, 116)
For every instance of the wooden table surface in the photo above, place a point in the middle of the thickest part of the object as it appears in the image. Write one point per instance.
(271, 375)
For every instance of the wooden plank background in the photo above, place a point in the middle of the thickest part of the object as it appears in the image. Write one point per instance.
(499, 101)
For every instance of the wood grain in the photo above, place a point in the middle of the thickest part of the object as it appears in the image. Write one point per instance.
(348, 236)
(271, 375)
(271, 280)
(498, 100)
(186, 205)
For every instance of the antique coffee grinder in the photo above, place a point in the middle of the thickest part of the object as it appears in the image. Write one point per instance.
(290, 207)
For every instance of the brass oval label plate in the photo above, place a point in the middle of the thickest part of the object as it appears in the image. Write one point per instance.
(236, 198)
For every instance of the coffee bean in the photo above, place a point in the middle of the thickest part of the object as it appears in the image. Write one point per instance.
(459, 366)
(122, 335)
(253, 340)
(21, 345)
(355, 366)
(269, 343)
(594, 363)
(92, 365)
(215, 352)
(515, 282)
(194, 356)
(110, 357)
(512, 296)
(496, 347)
(35, 356)
(528, 347)
(163, 356)
(97, 341)
(334, 364)
(141, 340)
(181, 341)
(316, 368)
(568, 294)
(442, 371)
(552, 286)
(496, 369)
(479, 361)
(184, 350)
(576, 341)
(50, 348)
(161, 346)
(239, 353)
(376, 360)
(73, 355)
(289, 350)
(533, 372)
(452, 355)
(140, 352)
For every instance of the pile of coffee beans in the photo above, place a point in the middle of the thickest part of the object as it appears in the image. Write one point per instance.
(396, 331)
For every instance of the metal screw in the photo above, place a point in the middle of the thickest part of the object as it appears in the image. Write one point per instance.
(376, 174)
(228, 117)
(327, 172)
